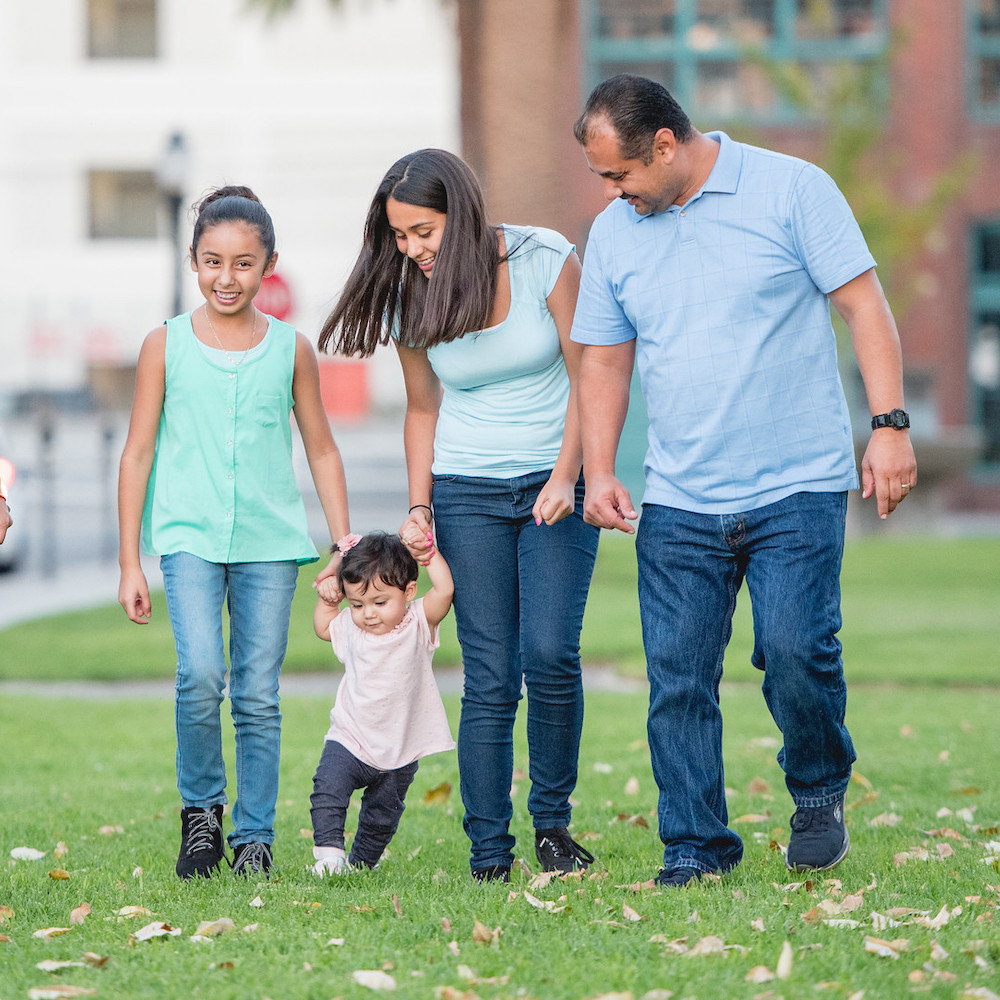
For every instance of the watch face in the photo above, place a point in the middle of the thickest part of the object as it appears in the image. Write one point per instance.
(899, 419)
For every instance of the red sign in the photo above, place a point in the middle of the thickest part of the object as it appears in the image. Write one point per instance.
(275, 297)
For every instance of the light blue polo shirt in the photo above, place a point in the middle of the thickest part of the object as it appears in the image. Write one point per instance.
(726, 298)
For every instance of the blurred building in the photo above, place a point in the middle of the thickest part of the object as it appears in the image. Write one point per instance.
(527, 66)
(308, 109)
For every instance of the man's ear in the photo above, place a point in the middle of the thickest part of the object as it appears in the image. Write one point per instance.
(665, 144)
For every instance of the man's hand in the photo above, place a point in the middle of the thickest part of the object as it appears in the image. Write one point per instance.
(608, 505)
(888, 469)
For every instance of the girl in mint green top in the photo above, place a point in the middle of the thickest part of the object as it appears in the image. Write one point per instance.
(480, 316)
(206, 479)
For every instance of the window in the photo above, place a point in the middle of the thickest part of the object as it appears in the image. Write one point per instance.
(699, 49)
(121, 29)
(984, 339)
(123, 204)
(983, 70)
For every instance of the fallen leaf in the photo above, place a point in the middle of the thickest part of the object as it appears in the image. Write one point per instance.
(50, 932)
(636, 819)
(753, 818)
(374, 979)
(708, 945)
(759, 974)
(213, 928)
(937, 952)
(758, 786)
(257, 903)
(943, 916)
(639, 886)
(453, 948)
(542, 904)
(843, 922)
(784, 967)
(26, 854)
(632, 786)
(482, 934)
(137, 872)
(601, 768)
(156, 929)
(61, 850)
(445, 924)
(395, 905)
(335, 942)
(758, 924)
(886, 819)
(59, 992)
(885, 949)
(657, 994)
(860, 779)
(542, 879)
(4, 939)
(5, 913)
(51, 965)
(110, 830)
(94, 960)
(59, 875)
(437, 795)
(79, 913)
(629, 914)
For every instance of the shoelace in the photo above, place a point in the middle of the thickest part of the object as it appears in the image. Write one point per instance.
(201, 827)
(564, 846)
(255, 857)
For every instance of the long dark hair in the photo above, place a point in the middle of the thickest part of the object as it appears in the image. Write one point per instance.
(233, 203)
(385, 286)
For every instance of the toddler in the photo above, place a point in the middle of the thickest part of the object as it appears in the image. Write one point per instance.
(388, 711)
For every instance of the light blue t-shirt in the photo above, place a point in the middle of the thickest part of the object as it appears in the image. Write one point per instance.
(505, 389)
(726, 298)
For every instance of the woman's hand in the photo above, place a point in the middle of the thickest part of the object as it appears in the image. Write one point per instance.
(328, 576)
(416, 534)
(555, 501)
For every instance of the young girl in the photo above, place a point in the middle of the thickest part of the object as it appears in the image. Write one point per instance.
(388, 712)
(485, 312)
(206, 474)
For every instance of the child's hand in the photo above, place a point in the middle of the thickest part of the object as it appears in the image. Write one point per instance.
(329, 590)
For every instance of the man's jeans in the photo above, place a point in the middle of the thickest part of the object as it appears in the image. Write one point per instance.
(520, 591)
(690, 569)
(259, 596)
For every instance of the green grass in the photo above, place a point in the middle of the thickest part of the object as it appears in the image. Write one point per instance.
(915, 610)
(928, 760)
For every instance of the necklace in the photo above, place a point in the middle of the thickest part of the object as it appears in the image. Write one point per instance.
(253, 333)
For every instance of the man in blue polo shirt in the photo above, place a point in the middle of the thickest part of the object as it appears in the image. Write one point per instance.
(716, 278)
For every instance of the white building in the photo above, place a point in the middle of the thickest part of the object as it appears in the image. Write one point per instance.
(308, 109)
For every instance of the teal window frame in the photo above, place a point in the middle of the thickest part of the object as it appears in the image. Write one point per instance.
(979, 45)
(685, 61)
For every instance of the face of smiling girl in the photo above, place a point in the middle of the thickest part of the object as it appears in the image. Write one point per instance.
(231, 262)
(418, 231)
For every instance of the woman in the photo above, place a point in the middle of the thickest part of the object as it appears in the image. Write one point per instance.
(481, 318)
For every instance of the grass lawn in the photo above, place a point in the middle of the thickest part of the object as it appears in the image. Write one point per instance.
(97, 778)
(915, 610)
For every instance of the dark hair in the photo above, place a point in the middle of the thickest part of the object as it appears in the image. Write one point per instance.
(233, 203)
(636, 108)
(386, 287)
(381, 555)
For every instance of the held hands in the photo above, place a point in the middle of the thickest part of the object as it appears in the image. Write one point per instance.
(133, 596)
(326, 584)
(608, 505)
(888, 469)
(416, 534)
(555, 501)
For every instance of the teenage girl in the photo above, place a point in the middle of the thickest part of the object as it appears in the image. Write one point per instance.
(388, 713)
(206, 475)
(484, 313)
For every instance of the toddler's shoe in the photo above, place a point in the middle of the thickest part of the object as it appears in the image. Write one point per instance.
(330, 861)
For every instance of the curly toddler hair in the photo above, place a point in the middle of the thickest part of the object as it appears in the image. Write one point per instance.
(381, 555)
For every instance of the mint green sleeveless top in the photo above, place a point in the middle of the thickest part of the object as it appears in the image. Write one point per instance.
(222, 486)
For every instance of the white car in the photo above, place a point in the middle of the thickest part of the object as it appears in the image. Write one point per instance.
(12, 548)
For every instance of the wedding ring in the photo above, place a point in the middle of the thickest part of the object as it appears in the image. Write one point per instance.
(904, 486)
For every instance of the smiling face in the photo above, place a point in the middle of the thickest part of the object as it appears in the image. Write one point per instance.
(230, 263)
(379, 607)
(418, 231)
(647, 187)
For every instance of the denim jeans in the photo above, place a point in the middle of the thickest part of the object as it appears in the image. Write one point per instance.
(690, 569)
(337, 777)
(259, 598)
(520, 591)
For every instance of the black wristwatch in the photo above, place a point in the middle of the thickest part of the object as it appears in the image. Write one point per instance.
(896, 419)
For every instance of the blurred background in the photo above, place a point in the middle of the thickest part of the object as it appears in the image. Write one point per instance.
(117, 115)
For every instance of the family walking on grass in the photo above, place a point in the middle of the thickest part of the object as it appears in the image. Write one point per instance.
(712, 269)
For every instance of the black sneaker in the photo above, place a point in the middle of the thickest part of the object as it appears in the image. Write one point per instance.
(557, 851)
(201, 842)
(254, 858)
(675, 878)
(819, 838)
(495, 873)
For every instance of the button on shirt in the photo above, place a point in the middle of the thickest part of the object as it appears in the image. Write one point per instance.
(726, 298)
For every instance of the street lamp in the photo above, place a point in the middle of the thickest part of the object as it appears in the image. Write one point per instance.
(171, 180)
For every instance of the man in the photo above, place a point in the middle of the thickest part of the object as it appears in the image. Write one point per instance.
(718, 280)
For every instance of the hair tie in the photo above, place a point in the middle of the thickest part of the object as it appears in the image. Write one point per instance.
(346, 543)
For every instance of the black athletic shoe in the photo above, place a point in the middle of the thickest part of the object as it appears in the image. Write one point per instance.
(675, 878)
(557, 851)
(819, 838)
(254, 858)
(495, 873)
(201, 842)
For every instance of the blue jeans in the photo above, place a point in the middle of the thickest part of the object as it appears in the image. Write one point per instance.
(520, 591)
(259, 598)
(690, 569)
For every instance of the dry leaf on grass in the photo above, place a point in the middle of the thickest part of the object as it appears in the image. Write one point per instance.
(886, 949)
(257, 903)
(154, 930)
(51, 965)
(543, 904)
(213, 928)
(374, 979)
(759, 974)
(886, 819)
(943, 916)
(59, 875)
(50, 932)
(61, 850)
(130, 912)
(784, 967)
(632, 786)
(758, 786)
(437, 795)
(79, 913)
(482, 933)
(111, 830)
(26, 854)
(59, 992)
(753, 818)
(629, 914)
(5, 913)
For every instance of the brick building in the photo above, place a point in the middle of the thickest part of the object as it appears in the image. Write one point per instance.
(527, 66)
